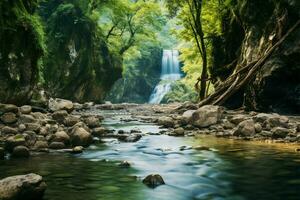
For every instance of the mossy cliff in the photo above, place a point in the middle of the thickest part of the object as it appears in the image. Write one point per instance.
(79, 65)
(21, 47)
(250, 27)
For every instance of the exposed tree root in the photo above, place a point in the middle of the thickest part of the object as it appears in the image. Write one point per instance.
(242, 76)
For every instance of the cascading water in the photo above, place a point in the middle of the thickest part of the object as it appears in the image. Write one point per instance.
(170, 72)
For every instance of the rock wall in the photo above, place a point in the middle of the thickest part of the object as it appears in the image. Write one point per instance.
(21, 46)
(249, 28)
(79, 66)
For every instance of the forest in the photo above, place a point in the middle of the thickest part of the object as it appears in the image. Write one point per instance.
(149, 99)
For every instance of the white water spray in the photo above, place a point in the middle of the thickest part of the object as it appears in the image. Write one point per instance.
(170, 72)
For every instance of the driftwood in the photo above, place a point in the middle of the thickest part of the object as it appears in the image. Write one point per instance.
(243, 75)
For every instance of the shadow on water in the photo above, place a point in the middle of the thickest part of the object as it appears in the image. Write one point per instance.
(233, 170)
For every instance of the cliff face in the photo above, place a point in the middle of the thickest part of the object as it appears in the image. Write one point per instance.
(21, 46)
(79, 65)
(250, 28)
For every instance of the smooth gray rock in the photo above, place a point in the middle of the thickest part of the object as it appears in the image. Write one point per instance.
(207, 115)
(80, 137)
(25, 109)
(60, 104)
(22, 187)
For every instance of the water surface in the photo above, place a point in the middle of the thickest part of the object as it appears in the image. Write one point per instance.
(232, 170)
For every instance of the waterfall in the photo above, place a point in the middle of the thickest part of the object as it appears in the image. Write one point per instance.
(170, 72)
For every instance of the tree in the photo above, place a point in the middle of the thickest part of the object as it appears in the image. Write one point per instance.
(127, 23)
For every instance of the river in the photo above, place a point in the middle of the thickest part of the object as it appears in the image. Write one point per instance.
(233, 170)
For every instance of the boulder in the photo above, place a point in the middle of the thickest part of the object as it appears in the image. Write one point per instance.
(92, 121)
(279, 132)
(178, 132)
(21, 152)
(153, 180)
(59, 115)
(41, 145)
(60, 104)
(9, 130)
(61, 136)
(237, 118)
(81, 125)
(77, 150)
(99, 131)
(14, 141)
(80, 137)
(4, 108)
(207, 116)
(33, 127)
(167, 122)
(27, 119)
(9, 118)
(258, 127)
(277, 121)
(245, 128)
(187, 116)
(22, 187)
(26, 109)
(57, 145)
(71, 120)
(272, 120)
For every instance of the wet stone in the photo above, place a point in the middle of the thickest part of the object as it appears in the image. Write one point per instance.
(20, 152)
(153, 180)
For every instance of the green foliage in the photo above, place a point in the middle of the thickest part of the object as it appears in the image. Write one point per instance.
(129, 23)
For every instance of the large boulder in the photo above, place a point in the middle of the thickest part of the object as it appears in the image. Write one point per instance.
(99, 131)
(245, 128)
(167, 122)
(207, 116)
(60, 115)
(279, 132)
(61, 136)
(80, 137)
(60, 104)
(92, 121)
(272, 120)
(187, 116)
(22, 187)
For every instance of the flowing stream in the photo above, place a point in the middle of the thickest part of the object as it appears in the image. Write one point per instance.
(170, 73)
(234, 170)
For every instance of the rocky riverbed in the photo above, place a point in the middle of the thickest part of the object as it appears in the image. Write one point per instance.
(70, 127)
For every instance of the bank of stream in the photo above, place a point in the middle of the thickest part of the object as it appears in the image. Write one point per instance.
(231, 169)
